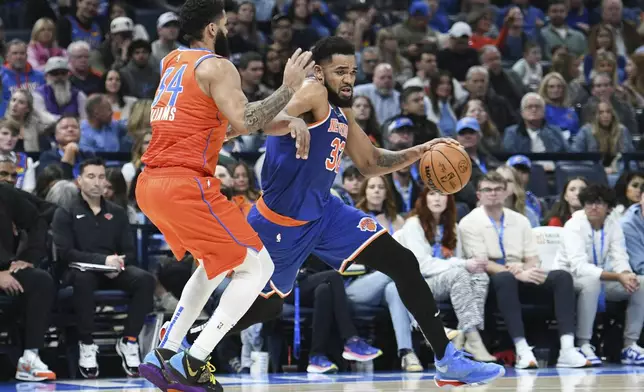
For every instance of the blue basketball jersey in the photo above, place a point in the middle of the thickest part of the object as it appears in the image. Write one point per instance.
(93, 36)
(301, 188)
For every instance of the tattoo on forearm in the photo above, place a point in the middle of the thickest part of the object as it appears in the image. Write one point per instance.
(390, 159)
(258, 114)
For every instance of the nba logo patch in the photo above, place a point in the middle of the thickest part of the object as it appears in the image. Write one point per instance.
(368, 224)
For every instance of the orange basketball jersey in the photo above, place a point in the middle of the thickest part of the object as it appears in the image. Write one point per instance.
(188, 129)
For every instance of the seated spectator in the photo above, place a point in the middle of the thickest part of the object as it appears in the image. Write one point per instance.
(481, 21)
(426, 66)
(23, 233)
(559, 111)
(627, 190)
(117, 93)
(138, 122)
(533, 17)
(406, 190)
(457, 56)
(490, 140)
(83, 25)
(67, 153)
(84, 77)
(593, 251)
(24, 166)
(141, 77)
(504, 82)
(606, 135)
(17, 73)
(523, 166)
(58, 96)
(349, 188)
(100, 133)
(634, 84)
(33, 123)
(415, 29)
(377, 199)
(607, 63)
(568, 202)
(504, 237)
(578, 16)
(365, 116)
(602, 39)
(131, 169)
(324, 292)
(168, 33)
(381, 93)
(46, 179)
(118, 8)
(412, 107)
(8, 172)
(116, 192)
(440, 105)
(301, 15)
(529, 68)
(367, 62)
(559, 32)
(515, 199)
(97, 231)
(43, 44)
(534, 134)
(431, 234)
(114, 51)
(283, 38)
(63, 194)
(632, 223)
(603, 89)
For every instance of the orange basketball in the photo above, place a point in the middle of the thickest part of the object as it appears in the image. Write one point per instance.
(445, 168)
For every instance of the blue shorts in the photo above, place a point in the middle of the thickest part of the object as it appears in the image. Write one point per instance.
(337, 238)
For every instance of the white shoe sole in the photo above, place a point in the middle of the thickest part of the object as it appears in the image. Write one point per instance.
(574, 366)
(349, 356)
(124, 364)
(24, 376)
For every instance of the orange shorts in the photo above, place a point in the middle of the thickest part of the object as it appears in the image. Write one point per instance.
(194, 216)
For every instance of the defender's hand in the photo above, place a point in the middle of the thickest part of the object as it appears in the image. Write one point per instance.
(300, 132)
(297, 68)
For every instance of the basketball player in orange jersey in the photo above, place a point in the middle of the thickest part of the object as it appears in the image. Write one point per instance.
(199, 95)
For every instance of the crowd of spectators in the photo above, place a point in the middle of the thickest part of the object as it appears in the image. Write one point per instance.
(513, 77)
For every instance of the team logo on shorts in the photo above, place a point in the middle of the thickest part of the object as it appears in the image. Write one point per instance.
(368, 224)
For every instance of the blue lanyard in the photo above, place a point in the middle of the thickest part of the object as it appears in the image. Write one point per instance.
(297, 337)
(482, 166)
(436, 248)
(499, 231)
(406, 200)
(601, 248)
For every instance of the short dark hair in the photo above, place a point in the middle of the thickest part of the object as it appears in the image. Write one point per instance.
(195, 15)
(351, 172)
(325, 48)
(493, 177)
(247, 58)
(138, 44)
(95, 161)
(408, 91)
(598, 192)
(529, 46)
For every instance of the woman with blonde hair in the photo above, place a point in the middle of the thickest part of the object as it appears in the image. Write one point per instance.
(390, 54)
(376, 198)
(43, 44)
(554, 91)
(601, 39)
(634, 84)
(33, 123)
(139, 119)
(516, 198)
(606, 135)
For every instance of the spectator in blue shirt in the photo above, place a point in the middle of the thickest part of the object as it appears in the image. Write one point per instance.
(554, 91)
(17, 73)
(66, 154)
(99, 133)
(633, 227)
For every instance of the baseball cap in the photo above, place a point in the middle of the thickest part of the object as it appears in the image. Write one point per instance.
(166, 18)
(399, 123)
(56, 63)
(122, 24)
(519, 160)
(419, 8)
(467, 123)
(279, 17)
(460, 29)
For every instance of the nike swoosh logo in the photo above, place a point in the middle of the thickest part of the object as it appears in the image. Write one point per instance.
(190, 371)
(437, 313)
(80, 216)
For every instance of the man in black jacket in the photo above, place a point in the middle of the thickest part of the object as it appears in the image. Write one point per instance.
(23, 234)
(96, 231)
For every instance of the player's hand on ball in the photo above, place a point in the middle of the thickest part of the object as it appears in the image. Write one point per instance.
(428, 146)
(300, 132)
(297, 68)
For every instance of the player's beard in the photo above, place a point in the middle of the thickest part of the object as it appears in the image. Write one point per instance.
(336, 99)
(221, 45)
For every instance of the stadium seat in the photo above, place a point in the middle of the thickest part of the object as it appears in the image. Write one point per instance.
(592, 172)
(538, 183)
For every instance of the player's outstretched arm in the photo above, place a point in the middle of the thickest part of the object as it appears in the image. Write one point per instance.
(224, 85)
(373, 161)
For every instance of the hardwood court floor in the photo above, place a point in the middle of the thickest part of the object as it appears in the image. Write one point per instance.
(605, 379)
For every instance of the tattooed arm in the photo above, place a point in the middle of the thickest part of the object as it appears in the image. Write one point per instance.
(220, 79)
(373, 161)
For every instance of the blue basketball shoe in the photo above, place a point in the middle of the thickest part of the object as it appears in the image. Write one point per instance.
(456, 369)
(153, 365)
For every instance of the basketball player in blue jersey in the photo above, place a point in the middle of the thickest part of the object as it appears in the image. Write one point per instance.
(297, 215)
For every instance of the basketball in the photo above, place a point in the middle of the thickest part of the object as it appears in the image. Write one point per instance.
(445, 168)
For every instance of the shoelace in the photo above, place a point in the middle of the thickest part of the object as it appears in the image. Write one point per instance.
(208, 369)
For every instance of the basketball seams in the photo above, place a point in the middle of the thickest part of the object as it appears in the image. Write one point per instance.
(453, 168)
(467, 159)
